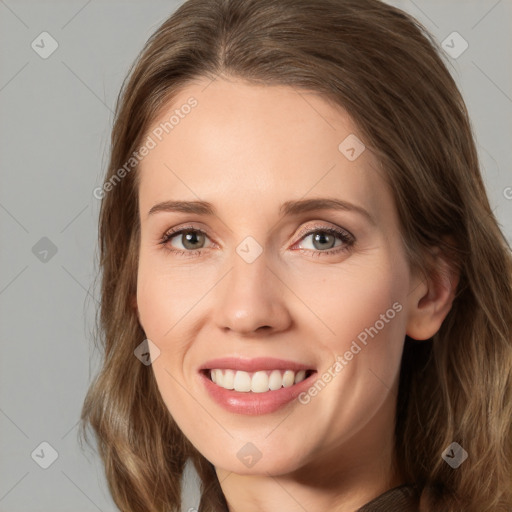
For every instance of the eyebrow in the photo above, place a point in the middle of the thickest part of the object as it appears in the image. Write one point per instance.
(288, 208)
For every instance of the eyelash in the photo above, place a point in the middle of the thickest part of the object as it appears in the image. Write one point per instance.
(347, 238)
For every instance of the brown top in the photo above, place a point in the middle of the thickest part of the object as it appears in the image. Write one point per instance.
(400, 499)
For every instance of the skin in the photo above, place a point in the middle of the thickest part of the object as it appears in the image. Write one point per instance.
(247, 149)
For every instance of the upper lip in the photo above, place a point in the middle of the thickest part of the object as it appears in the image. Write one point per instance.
(254, 364)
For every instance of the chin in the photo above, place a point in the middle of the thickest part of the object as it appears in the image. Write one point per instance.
(245, 458)
(273, 466)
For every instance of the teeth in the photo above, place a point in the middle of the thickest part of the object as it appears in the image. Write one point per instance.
(242, 381)
(275, 381)
(300, 376)
(228, 381)
(257, 382)
(288, 378)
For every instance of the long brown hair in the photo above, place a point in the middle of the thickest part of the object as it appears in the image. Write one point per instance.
(385, 70)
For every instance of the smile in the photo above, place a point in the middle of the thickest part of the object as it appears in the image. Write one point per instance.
(255, 386)
(258, 382)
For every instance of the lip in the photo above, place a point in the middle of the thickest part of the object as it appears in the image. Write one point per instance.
(250, 403)
(253, 365)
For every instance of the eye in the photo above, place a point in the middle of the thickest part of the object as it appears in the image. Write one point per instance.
(191, 239)
(324, 240)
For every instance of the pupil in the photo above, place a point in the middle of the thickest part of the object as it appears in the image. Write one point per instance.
(319, 237)
(191, 236)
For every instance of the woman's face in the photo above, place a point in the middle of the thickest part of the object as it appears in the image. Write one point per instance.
(268, 283)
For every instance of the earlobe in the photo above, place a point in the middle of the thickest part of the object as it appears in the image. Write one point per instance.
(431, 299)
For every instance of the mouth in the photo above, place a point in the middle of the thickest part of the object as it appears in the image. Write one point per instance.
(260, 381)
(255, 386)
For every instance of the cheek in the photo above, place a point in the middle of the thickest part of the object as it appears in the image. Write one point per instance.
(162, 306)
(365, 312)
(151, 302)
(165, 295)
(362, 358)
(352, 299)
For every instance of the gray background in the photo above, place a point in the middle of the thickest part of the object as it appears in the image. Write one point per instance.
(55, 119)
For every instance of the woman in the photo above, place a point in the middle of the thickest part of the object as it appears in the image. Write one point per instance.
(371, 374)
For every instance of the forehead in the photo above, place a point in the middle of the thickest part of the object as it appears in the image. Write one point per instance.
(256, 146)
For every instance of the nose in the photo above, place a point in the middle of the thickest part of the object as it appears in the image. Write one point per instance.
(251, 299)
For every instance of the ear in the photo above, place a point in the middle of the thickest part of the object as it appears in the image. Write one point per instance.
(431, 297)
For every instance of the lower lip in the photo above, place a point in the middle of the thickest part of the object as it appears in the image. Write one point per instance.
(255, 403)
